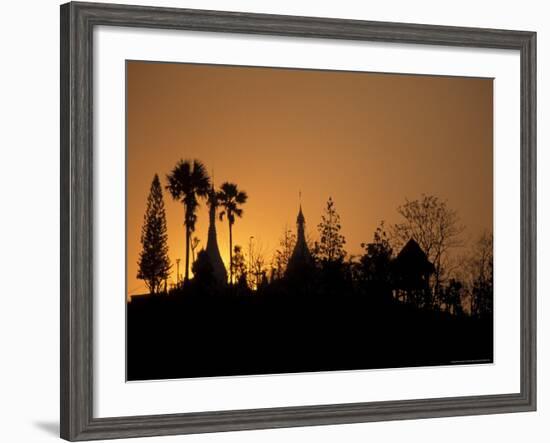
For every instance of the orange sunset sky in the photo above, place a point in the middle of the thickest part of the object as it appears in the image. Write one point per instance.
(368, 140)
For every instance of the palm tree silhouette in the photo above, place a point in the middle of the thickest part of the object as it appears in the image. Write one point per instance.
(229, 198)
(187, 182)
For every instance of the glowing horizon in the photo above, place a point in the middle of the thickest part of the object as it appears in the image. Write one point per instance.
(367, 140)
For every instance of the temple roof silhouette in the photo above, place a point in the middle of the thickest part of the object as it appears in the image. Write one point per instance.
(301, 256)
(413, 259)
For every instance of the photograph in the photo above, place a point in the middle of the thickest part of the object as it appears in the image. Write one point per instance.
(295, 220)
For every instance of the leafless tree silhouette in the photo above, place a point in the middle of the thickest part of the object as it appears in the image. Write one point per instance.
(434, 226)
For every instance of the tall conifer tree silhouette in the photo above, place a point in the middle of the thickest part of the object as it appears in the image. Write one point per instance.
(154, 264)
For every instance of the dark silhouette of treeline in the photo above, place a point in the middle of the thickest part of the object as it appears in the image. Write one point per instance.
(227, 334)
(404, 302)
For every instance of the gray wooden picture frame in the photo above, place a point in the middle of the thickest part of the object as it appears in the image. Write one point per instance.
(77, 23)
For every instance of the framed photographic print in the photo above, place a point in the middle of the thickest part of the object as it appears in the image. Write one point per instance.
(272, 221)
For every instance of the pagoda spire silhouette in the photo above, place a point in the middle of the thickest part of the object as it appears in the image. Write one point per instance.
(212, 250)
(301, 257)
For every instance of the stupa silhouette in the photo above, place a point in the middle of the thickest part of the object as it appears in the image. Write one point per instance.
(301, 257)
(218, 268)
